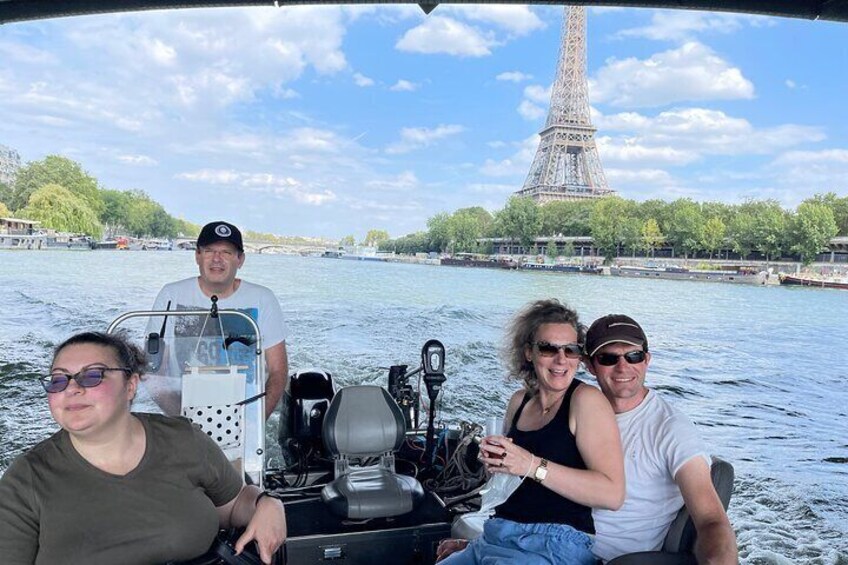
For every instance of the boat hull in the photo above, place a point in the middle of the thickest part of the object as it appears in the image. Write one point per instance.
(792, 280)
(687, 275)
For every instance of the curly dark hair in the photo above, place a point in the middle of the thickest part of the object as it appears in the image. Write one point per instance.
(130, 355)
(522, 331)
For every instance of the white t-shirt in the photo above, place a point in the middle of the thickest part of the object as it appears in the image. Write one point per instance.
(199, 338)
(657, 440)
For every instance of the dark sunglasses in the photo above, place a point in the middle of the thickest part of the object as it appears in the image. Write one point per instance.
(571, 350)
(610, 359)
(87, 378)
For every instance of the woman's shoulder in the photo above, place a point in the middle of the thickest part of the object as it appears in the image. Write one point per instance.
(166, 425)
(587, 395)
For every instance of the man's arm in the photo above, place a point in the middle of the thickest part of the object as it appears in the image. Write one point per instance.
(277, 362)
(716, 543)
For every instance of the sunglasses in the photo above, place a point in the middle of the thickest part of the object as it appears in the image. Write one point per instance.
(87, 378)
(571, 350)
(610, 359)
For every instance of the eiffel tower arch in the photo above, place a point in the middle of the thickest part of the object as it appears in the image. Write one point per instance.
(567, 165)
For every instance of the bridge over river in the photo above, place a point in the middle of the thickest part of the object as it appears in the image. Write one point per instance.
(251, 246)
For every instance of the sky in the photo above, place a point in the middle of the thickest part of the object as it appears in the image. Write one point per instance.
(334, 120)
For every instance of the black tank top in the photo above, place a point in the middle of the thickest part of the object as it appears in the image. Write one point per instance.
(532, 502)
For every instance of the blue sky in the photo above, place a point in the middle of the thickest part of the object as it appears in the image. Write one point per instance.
(328, 121)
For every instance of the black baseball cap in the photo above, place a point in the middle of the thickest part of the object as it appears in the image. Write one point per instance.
(614, 328)
(220, 231)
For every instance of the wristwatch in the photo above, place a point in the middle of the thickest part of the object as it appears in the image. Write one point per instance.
(541, 471)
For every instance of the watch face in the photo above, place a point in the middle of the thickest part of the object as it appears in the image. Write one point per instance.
(541, 473)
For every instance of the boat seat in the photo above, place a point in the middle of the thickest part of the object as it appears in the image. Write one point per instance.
(679, 542)
(364, 422)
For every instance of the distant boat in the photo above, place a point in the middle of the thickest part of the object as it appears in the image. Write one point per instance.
(801, 280)
(683, 273)
(462, 260)
(563, 268)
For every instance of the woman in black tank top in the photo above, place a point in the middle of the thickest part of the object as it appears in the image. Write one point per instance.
(561, 436)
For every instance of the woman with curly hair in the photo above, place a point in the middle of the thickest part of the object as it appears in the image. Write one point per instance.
(559, 434)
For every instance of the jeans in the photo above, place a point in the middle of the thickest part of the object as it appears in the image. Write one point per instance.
(505, 542)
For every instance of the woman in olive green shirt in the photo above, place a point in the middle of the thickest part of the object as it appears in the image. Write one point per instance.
(114, 486)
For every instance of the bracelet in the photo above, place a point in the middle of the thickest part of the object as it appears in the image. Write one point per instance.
(530, 468)
(261, 494)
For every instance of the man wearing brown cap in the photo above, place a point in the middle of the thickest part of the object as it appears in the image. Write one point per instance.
(665, 462)
(219, 256)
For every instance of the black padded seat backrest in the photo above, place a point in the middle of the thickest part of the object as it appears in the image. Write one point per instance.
(681, 534)
(363, 421)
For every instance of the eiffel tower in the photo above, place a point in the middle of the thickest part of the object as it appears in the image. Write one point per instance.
(567, 165)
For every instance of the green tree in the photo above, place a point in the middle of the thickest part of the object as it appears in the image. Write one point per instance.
(4, 212)
(712, 238)
(570, 218)
(839, 207)
(657, 209)
(57, 207)
(812, 228)
(520, 219)
(141, 211)
(611, 219)
(742, 232)
(652, 236)
(464, 228)
(116, 211)
(685, 225)
(162, 224)
(6, 195)
(551, 249)
(374, 237)
(439, 232)
(631, 234)
(771, 227)
(55, 169)
(347, 241)
(187, 229)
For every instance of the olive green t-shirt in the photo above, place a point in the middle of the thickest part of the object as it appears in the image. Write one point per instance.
(57, 508)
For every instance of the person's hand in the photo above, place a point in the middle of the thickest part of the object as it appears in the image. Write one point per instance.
(267, 528)
(501, 455)
(450, 546)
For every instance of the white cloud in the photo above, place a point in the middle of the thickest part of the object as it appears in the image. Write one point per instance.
(515, 165)
(161, 52)
(403, 85)
(538, 94)
(513, 76)
(807, 172)
(679, 25)
(404, 182)
(416, 138)
(516, 20)
(494, 189)
(530, 111)
(361, 80)
(691, 72)
(439, 34)
(142, 160)
(26, 54)
(267, 183)
(628, 150)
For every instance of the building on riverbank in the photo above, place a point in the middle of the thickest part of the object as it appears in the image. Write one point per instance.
(584, 247)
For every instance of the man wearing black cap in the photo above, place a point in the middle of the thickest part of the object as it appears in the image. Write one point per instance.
(665, 463)
(219, 256)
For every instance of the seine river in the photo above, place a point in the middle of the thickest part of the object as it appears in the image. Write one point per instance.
(761, 370)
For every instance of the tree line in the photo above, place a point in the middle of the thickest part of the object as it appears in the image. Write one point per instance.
(59, 194)
(618, 226)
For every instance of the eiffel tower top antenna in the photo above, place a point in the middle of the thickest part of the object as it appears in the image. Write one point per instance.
(567, 165)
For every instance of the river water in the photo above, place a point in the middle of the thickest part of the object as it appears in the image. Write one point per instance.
(761, 370)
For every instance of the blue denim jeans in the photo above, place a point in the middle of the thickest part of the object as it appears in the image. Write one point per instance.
(505, 542)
